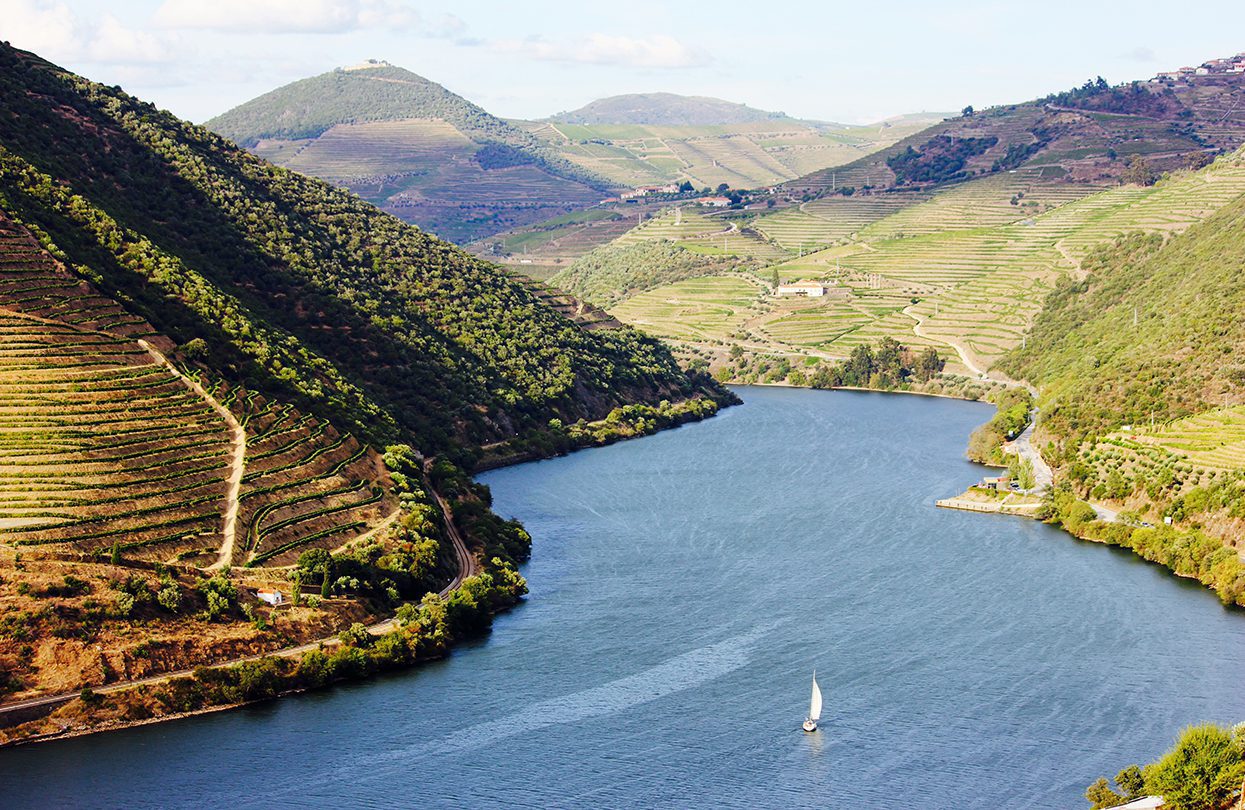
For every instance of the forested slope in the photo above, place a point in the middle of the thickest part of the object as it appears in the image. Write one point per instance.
(294, 287)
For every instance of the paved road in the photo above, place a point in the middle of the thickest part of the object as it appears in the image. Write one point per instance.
(1022, 445)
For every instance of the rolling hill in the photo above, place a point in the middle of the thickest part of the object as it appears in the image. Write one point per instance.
(748, 153)
(412, 148)
(220, 377)
(664, 109)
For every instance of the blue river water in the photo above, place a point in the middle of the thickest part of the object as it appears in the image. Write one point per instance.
(684, 587)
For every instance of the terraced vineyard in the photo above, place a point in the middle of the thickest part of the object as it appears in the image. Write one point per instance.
(832, 220)
(305, 484)
(703, 234)
(964, 271)
(349, 151)
(710, 308)
(742, 155)
(1214, 439)
(103, 445)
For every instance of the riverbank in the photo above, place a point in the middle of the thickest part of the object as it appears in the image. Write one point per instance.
(126, 704)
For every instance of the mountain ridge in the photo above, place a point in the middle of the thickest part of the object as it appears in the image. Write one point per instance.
(665, 109)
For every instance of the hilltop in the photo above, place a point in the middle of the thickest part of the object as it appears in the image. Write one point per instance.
(220, 376)
(413, 148)
(665, 109)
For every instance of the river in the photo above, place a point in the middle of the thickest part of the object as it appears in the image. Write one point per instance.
(684, 587)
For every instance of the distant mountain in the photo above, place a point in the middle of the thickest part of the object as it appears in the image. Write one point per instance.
(665, 109)
(412, 147)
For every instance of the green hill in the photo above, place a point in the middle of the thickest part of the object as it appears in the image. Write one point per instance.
(296, 286)
(219, 376)
(1142, 391)
(413, 148)
(1152, 330)
(665, 109)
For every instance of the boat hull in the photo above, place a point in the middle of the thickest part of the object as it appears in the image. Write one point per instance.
(810, 725)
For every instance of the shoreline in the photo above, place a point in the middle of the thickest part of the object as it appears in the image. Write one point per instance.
(56, 702)
(785, 384)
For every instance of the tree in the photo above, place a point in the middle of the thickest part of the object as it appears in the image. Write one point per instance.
(928, 364)
(1204, 770)
(774, 278)
(888, 361)
(1139, 172)
(685, 187)
(195, 349)
(859, 366)
(968, 111)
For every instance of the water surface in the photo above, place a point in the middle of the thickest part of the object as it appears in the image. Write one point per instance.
(684, 587)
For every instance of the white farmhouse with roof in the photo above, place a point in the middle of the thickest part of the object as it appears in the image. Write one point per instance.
(811, 289)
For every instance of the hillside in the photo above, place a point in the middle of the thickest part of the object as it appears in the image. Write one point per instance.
(413, 148)
(742, 154)
(963, 269)
(664, 109)
(204, 356)
(1142, 397)
(1084, 135)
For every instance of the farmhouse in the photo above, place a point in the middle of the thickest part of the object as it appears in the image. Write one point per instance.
(644, 191)
(272, 597)
(714, 202)
(811, 289)
(1000, 483)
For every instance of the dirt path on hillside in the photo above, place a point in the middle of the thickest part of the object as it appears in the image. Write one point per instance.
(237, 465)
(467, 566)
(959, 349)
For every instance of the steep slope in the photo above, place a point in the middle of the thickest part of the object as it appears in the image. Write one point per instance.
(1087, 134)
(202, 356)
(1141, 398)
(1151, 330)
(665, 109)
(412, 147)
(297, 287)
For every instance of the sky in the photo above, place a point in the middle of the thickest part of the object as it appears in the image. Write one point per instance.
(854, 62)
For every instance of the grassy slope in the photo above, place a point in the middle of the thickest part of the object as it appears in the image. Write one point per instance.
(610, 274)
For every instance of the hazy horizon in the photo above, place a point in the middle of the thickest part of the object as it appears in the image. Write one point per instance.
(824, 62)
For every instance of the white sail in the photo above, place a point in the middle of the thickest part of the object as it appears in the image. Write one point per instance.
(814, 706)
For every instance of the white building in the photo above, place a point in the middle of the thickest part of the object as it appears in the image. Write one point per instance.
(272, 597)
(810, 289)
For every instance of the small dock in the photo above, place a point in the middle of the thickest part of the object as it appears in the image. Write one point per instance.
(1011, 504)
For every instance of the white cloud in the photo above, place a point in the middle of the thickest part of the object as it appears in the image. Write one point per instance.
(52, 30)
(657, 51)
(287, 16)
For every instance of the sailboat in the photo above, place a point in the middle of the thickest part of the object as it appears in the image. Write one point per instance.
(814, 707)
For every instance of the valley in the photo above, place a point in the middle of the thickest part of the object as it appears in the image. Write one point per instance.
(287, 398)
